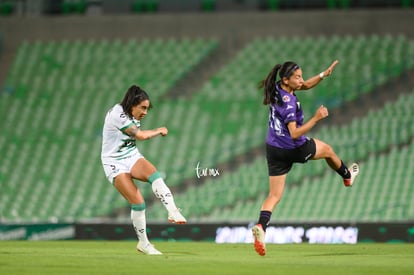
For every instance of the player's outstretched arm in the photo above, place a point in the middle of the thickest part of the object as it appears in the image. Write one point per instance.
(135, 132)
(313, 81)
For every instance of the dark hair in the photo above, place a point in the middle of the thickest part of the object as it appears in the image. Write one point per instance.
(134, 96)
(270, 93)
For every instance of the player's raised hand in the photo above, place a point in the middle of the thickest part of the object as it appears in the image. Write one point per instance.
(330, 69)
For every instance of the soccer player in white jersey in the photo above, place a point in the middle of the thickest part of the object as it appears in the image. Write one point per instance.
(122, 162)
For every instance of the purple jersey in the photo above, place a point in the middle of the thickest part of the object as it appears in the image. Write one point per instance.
(279, 116)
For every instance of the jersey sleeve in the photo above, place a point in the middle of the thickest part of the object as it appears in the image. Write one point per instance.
(120, 120)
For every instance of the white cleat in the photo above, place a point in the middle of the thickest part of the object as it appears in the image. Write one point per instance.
(259, 239)
(354, 170)
(147, 249)
(176, 217)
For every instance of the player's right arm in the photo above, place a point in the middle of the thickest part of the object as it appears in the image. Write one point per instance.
(296, 132)
(136, 133)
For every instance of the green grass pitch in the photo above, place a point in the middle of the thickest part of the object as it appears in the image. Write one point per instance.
(120, 257)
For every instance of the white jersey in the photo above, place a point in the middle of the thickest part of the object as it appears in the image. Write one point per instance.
(115, 143)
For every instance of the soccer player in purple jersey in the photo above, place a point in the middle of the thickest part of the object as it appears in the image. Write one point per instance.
(286, 142)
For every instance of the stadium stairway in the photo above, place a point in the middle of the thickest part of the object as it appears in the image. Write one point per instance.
(204, 70)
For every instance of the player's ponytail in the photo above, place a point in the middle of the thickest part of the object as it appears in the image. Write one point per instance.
(134, 96)
(269, 85)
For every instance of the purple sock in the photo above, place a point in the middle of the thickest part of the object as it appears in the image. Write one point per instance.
(343, 171)
(264, 219)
